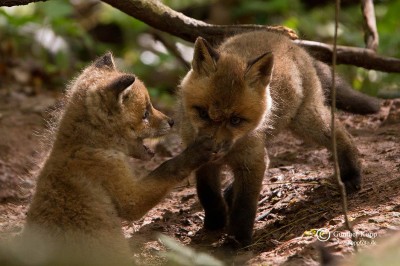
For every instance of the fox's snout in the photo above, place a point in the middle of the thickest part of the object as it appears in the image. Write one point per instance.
(220, 149)
(221, 144)
(161, 122)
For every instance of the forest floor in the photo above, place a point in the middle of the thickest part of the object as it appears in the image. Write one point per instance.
(299, 195)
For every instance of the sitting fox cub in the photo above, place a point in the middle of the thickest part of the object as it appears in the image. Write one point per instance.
(86, 185)
(243, 93)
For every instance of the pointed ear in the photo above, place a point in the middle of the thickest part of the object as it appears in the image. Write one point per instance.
(205, 57)
(105, 61)
(259, 70)
(121, 83)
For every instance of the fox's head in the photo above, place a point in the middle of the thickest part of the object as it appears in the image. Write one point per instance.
(225, 95)
(118, 105)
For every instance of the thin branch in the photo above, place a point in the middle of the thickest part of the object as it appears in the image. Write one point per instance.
(263, 215)
(18, 2)
(171, 47)
(371, 36)
(333, 130)
(160, 16)
(355, 56)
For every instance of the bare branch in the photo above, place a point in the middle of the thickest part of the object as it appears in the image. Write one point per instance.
(355, 56)
(333, 130)
(171, 47)
(161, 17)
(18, 2)
(371, 36)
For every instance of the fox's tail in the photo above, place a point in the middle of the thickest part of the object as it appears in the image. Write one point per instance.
(347, 99)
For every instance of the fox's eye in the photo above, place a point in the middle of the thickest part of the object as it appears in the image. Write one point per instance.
(235, 120)
(146, 115)
(203, 113)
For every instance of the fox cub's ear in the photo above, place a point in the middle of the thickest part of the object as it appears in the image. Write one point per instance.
(205, 57)
(121, 83)
(259, 70)
(105, 61)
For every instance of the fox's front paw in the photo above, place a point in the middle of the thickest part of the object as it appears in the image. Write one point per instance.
(352, 179)
(203, 148)
(206, 147)
(352, 184)
(215, 219)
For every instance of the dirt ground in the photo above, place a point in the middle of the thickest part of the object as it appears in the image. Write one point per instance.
(299, 195)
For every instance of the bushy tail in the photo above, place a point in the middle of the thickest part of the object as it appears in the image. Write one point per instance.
(347, 99)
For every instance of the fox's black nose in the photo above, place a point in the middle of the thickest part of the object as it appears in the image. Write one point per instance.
(171, 122)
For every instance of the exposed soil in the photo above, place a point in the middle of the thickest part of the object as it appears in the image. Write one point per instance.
(299, 194)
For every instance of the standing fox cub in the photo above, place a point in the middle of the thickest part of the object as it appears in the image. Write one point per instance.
(243, 93)
(86, 184)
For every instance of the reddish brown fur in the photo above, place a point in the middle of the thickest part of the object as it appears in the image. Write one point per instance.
(243, 93)
(87, 185)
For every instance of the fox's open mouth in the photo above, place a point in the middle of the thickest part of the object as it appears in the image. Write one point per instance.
(150, 153)
(143, 149)
(140, 150)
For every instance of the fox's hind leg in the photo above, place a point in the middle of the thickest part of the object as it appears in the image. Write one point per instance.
(313, 121)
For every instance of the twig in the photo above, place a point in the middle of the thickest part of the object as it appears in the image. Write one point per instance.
(333, 130)
(156, 14)
(263, 236)
(305, 182)
(355, 56)
(371, 36)
(263, 215)
(161, 17)
(18, 2)
(171, 47)
(260, 202)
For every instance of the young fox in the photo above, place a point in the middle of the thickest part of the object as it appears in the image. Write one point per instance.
(86, 185)
(243, 93)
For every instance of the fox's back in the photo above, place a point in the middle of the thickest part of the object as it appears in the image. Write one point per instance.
(252, 86)
(250, 45)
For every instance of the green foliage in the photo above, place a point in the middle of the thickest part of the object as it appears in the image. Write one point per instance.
(26, 30)
(56, 11)
(388, 24)
(317, 24)
(178, 4)
(265, 10)
(45, 32)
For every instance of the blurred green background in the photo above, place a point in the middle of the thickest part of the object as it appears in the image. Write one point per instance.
(43, 45)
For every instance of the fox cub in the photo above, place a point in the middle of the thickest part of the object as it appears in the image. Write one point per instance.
(243, 93)
(87, 185)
